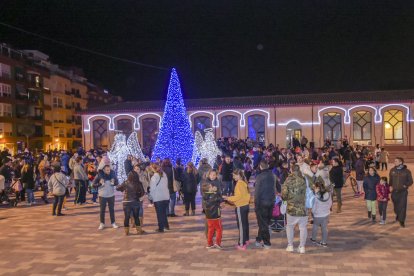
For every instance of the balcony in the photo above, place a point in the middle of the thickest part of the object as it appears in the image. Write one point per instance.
(37, 117)
(69, 135)
(5, 76)
(69, 121)
(69, 107)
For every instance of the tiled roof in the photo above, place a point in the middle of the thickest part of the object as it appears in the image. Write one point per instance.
(264, 101)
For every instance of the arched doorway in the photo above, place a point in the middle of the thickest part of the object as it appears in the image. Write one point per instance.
(293, 131)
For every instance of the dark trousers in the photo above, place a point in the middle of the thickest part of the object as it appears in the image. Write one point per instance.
(399, 198)
(80, 187)
(111, 203)
(161, 207)
(131, 209)
(338, 194)
(384, 164)
(382, 209)
(23, 194)
(242, 216)
(263, 215)
(58, 203)
(190, 199)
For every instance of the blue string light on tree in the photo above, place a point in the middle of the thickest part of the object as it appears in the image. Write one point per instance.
(175, 138)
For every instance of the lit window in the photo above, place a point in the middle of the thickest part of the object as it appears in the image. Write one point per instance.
(229, 126)
(332, 126)
(124, 125)
(257, 127)
(393, 126)
(149, 134)
(362, 125)
(201, 123)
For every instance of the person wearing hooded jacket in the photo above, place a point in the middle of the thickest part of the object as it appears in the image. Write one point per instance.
(400, 180)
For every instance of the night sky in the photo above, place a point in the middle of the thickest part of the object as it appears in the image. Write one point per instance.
(225, 48)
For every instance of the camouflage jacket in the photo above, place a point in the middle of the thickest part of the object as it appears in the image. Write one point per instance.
(294, 192)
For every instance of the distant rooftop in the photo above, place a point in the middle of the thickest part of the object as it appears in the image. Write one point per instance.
(387, 96)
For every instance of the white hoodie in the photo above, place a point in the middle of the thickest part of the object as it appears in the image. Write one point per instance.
(322, 207)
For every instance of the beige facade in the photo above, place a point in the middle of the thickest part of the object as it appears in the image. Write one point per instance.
(387, 123)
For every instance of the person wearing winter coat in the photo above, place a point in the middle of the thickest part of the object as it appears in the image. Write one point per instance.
(371, 180)
(168, 169)
(212, 198)
(264, 200)
(106, 182)
(81, 180)
(227, 176)
(360, 173)
(400, 181)
(28, 181)
(57, 184)
(383, 159)
(203, 169)
(133, 191)
(336, 176)
(321, 211)
(383, 196)
(189, 188)
(161, 196)
(294, 193)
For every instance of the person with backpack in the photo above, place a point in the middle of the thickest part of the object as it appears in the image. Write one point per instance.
(57, 184)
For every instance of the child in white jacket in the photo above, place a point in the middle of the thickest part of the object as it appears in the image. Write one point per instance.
(321, 211)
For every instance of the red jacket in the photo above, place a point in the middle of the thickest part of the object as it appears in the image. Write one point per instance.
(383, 192)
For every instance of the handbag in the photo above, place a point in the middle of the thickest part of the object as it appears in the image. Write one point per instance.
(283, 208)
(276, 210)
(17, 186)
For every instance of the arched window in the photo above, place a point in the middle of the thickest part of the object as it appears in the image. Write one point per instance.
(362, 125)
(256, 127)
(100, 133)
(201, 123)
(229, 126)
(149, 134)
(332, 126)
(393, 126)
(124, 125)
(293, 130)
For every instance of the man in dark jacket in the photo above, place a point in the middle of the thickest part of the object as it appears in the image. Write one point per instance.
(227, 176)
(400, 180)
(360, 172)
(128, 165)
(264, 198)
(336, 176)
(168, 170)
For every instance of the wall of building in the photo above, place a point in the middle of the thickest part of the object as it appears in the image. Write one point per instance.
(307, 118)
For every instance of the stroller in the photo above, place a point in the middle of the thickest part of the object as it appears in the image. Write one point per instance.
(278, 220)
(10, 194)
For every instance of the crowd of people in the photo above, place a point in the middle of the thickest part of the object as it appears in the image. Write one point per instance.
(308, 180)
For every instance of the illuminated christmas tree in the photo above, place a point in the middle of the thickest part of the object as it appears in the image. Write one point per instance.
(175, 138)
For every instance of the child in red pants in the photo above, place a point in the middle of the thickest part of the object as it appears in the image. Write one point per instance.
(211, 202)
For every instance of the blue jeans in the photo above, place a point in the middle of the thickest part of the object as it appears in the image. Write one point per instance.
(30, 196)
(141, 209)
(173, 199)
(131, 209)
(94, 196)
(228, 187)
(161, 207)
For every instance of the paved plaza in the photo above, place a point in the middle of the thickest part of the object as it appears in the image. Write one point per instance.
(35, 243)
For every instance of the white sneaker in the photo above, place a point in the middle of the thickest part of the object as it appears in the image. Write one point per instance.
(301, 249)
(115, 226)
(101, 226)
(289, 248)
